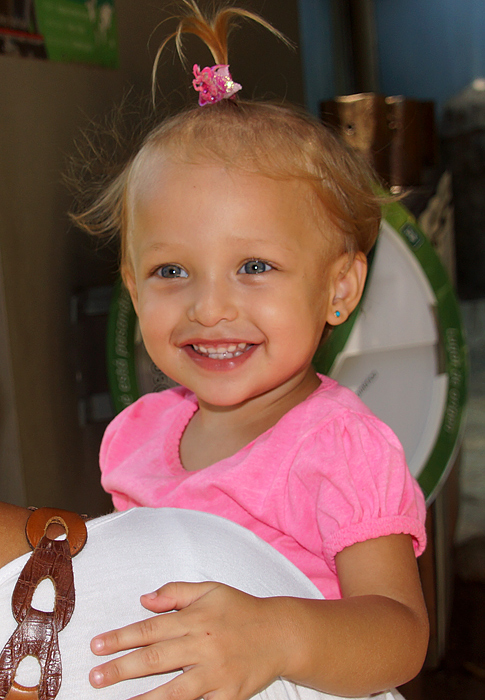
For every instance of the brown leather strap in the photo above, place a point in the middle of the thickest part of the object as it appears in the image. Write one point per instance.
(36, 634)
(19, 692)
(72, 523)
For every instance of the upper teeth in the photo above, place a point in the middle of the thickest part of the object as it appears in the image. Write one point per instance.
(219, 352)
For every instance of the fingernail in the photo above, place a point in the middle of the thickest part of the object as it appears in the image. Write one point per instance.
(150, 596)
(97, 644)
(97, 677)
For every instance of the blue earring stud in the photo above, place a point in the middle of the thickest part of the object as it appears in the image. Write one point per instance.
(337, 314)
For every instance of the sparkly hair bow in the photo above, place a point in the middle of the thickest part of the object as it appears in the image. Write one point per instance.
(214, 84)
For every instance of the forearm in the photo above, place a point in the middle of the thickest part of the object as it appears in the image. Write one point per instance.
(12, 532)
(351, 647)
(13, 541)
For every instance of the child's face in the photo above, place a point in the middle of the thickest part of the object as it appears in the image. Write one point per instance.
(229, 278)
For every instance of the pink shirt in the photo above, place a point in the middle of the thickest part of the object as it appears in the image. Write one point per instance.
(327, 475)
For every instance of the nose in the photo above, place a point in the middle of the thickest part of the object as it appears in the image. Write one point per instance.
(212, 302)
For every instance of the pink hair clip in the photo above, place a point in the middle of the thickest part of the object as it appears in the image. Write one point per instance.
(214, 84)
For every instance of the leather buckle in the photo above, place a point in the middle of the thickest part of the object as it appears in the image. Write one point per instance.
(37, 631)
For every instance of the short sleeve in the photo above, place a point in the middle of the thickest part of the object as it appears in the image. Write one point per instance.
(119, 440)
(134, 441)
(357, 486)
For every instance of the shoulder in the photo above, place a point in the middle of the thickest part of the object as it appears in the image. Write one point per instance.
(153, 403)
(346, 478)
(338, 398)
(146, 415)
(331, 408)
(342, 447)
(334, 421)
(352, 467)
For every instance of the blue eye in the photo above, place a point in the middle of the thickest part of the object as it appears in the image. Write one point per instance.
(255, 267)
(169, 271)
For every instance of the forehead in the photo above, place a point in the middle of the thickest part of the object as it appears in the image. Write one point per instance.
(159, 172)
(170, 195)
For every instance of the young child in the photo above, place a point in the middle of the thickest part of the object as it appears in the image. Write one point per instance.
(244, 231)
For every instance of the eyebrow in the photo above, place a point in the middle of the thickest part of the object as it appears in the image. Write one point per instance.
(160, 245)
(262, 241)
(154, 247)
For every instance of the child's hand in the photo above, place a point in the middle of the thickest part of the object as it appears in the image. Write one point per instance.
(219, 637)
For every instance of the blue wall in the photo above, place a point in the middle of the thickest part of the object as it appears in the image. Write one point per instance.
(430, 49)
(316, 50)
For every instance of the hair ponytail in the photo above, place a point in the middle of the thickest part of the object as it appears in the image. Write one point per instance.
(212, 30)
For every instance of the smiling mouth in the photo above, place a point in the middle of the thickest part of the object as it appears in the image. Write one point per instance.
(222, 352)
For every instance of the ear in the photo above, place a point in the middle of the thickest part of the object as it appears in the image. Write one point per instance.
(130, 283)
(346, 284)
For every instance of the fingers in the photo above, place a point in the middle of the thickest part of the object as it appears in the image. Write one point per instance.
(183, 687)
(186, 686)
(153, 659)
(172, 596)
(221, 637)
(139, 634)
(176, 595)
(195, 683)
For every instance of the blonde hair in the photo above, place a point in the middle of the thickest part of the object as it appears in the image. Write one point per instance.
(274, 140)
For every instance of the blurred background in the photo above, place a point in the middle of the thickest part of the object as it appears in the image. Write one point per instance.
(67, 63)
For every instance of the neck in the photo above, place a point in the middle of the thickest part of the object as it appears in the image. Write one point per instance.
(265, 408)
(218, 432)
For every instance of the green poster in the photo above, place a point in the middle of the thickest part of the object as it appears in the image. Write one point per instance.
(79, 31)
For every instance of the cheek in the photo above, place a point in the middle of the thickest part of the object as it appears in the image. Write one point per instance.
(318, 291)
(150, 318)
(297, 316)
(159, 318)
(313, 293)
(313, 312)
